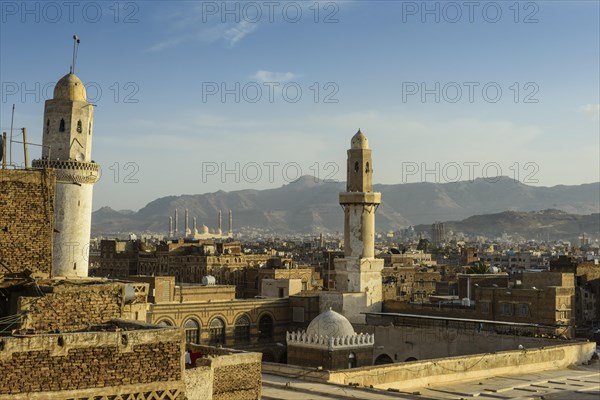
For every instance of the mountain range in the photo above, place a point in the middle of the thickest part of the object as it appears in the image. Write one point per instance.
(309, 205)
(541, 225)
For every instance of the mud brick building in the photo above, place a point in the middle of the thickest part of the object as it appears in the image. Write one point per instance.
(118, 359)
(26, 221)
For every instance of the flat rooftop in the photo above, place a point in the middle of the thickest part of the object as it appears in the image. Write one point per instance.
(575, 383)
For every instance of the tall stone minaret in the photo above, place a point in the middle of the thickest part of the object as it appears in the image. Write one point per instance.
(359, 271)
(67, 147)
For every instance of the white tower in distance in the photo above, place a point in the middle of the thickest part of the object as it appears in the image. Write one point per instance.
(67, 148)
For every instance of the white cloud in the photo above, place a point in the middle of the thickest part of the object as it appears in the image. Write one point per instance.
(268, 76)
(166, 44)
(238, 32)
(592, 110)
(191, 26)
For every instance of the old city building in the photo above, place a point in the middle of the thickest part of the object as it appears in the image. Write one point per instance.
(66, 335)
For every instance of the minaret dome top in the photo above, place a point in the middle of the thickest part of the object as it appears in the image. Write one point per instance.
(359, 141)
(70, 87)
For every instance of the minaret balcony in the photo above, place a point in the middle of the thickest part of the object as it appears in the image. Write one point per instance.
(70, 170)
(360, 198)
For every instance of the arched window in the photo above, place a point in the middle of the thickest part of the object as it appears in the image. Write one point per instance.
(90, 128)
(79, 128)
(61, 128)
(48, 125)
(352, 360)
(383, 359)
(367, 169)
(265, 327)
(165, 322)
(242, 329)
(356, 166)
(217, 332)
(192, 331)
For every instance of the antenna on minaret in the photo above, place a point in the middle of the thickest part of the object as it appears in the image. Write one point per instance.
(76, 42)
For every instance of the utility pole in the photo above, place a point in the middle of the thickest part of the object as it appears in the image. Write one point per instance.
(25, 147)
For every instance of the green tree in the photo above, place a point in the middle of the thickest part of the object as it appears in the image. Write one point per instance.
(478, 267)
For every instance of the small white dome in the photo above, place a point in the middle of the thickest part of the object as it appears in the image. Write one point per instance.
(330, 323)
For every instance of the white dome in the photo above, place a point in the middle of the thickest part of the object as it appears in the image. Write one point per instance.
(330, 323)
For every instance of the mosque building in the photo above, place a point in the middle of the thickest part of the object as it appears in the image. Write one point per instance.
(202, 233)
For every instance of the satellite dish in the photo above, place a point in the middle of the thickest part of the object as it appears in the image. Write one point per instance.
(79, 157)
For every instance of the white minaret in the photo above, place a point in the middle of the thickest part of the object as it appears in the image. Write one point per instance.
(188, 232)
(67, 148)
(359, 271)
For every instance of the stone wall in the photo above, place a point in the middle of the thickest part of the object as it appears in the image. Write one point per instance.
(237, 381)
(187, 293)
(436, 339)
(305, 308)
(26, 221)
(478, 366)
(546, 279)
(87, 364)
(404, 376)
(70, 307)
(330, 360)
(198, 383)
(235, 375)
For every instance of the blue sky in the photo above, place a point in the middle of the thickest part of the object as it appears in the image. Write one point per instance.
(157, 70)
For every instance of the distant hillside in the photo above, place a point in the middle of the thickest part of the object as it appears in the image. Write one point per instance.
(539, 225)
(311, 206)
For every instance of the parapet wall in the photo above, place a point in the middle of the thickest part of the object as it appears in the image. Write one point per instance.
(234, 374)
(472, 367)
(415, 374)
(26, 221)
(90, 365)
(70, 306)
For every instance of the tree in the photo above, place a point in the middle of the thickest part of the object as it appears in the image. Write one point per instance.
(478, 267)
